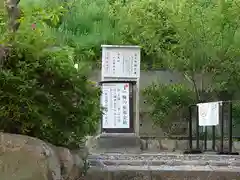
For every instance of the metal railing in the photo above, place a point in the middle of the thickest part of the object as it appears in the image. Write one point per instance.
(225, 115)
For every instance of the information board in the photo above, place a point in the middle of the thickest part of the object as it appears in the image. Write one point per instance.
(121, 62)
(115, 101)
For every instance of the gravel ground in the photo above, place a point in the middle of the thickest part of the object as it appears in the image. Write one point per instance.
(165, 159)
(165, 156)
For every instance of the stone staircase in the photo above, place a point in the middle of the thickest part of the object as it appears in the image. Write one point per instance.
(127, 157)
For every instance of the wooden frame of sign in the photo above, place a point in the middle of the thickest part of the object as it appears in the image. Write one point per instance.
(119, 129)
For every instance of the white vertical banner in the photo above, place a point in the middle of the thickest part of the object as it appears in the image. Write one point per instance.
(105, 99)
(124, 105)
(208, 113)
(115, 101)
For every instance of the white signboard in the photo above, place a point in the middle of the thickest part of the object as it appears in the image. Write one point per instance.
(208, 113)
(115, 101)
(123, 62)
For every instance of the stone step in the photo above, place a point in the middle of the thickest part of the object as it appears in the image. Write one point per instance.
(118, 143)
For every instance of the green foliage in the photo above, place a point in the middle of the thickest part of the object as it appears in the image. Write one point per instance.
(196, 38)
(145, 23)
(86, 26)
(42, 94)
(208, 34)
(3, 19)
(236, 113)
(167, 101)
(207, 46)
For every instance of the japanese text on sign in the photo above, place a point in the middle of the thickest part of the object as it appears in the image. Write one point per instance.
(121, 62)
(115, 101)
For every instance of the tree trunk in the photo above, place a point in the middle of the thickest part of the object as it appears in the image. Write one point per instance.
(195, 87)
(14, 15)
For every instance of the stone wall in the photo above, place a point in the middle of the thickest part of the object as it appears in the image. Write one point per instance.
(158, 145)
(112, 143)
(147, 78)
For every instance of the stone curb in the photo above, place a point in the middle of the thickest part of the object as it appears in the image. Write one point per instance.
(166, 156)
(170, 145)
(104, 163)
(166, 168)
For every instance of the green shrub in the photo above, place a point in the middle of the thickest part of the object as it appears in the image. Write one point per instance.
(166, 101)
(42, 94)
(48, 99)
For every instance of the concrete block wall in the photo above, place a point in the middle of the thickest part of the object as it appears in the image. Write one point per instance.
(147, 129)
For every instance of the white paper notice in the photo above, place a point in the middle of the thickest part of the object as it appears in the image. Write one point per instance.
(208, 114)
(115, 101)
(121, 62)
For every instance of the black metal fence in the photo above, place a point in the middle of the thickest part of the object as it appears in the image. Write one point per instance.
(225, 115)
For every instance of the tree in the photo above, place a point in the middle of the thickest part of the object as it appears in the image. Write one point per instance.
(195, 38)
(207, 33)
(207, 46)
